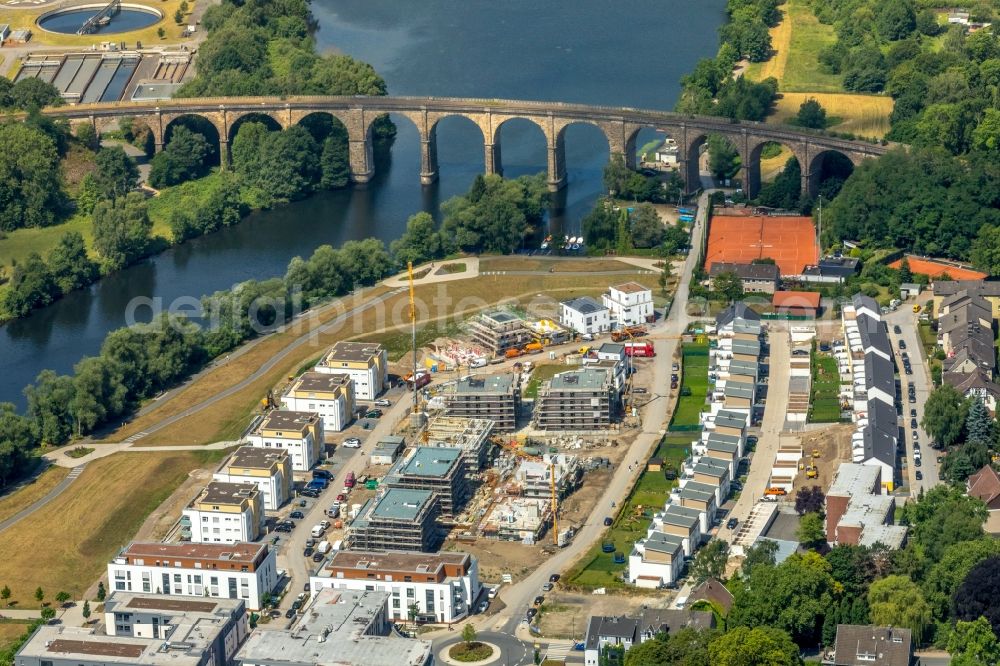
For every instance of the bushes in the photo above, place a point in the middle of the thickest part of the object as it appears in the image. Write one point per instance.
(30, 185)
(35, 283)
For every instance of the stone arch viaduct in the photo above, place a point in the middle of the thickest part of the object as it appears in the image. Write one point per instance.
(620, 127)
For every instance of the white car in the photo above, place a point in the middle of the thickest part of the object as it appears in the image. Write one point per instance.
(383, 403)
(352, 443)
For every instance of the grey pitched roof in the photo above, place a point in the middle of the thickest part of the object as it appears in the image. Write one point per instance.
(718, 445)
(880, 374)
(664, 543)
(966, 382)
(730, 419)
(617, 626)
(883, 417)
(879, 445)
(749, 347)
(861, 301)
(874, 335)
(739, 390)
(697, 491)
(746, 271)
(584, 305)
(987, 288)
(738, 367)
(682, 516)
(653, 621)
(747, 326)
(738, 310)
(712, 467)
(859, 645)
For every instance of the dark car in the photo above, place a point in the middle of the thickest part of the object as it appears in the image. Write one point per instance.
(532, 612)
(913, 412)
(539, 599)
(902, 344)
(322, 474)
(554, 578)
(908, 370)
(308, 551)
(297, 604)
(913, 423)
(912, 399)
(283, 528)
(919, 476)
(317, 557)
(608, 521)
(732, 523)
(916, 462)
(297, 515)
(896, 329)
(751, 440)
(290, 613)
(373, 413)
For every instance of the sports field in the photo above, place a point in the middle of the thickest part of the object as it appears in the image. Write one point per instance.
(933, 269)
(790, 241)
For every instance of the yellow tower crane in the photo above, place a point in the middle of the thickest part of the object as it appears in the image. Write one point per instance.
(555, 503)
(413, 335)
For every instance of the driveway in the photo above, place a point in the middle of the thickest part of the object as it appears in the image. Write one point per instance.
(906, 319)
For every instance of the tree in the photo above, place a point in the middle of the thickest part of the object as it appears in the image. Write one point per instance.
(161, 32)
(87, 136)
(121, 230)
(977, 596)
(39, 594)
(905, 274)
(762, 553)
(811, 532)
(116, 174)
(179, 17)
(944, 414)
(499, 218)
(48, 614)
(183, 158)
(31, 286)
(30, 186)
(651, 652)
(469, 633)
(809, 500)
(749, 647)
(985, 252)
(86, 609)
(897, 601)
(31, 94)
(419, 243)
(710, 561)
(973, 644)
(723, 158)
(48, 407)
(852, 567)
(101, 592)
(62, 597)
(811, 114)
(666, 272)
(980, 427)
(728, 285)
(895, 20)
(69, 265)
(5, 594)
(647, 228)
(956, 561)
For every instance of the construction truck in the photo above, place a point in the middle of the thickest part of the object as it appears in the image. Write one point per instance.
(532, 348)
(513, 352)
(423, 379)
(643, 349)
(628, 333)
(811, 472)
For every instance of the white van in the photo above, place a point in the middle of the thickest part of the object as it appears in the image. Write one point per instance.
(323, 547)
(478, 363)
(317, 531)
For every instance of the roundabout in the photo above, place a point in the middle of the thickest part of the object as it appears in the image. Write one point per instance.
(475, 652)
(507, 650)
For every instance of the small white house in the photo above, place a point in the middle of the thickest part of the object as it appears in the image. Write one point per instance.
(224, 513)
(630, 303)
(585, 316)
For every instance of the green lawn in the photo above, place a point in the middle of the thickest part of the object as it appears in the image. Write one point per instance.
(695, 378)
(399, 342)
(597, 568)
(825, 399)
(540, 374)
(809, 37)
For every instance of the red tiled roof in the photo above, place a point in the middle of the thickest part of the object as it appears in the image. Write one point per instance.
(985, 484)
(796, 299)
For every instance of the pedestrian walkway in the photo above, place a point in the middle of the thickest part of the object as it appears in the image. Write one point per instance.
(52, 494)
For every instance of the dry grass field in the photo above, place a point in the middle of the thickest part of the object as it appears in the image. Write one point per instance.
(863, 115)
(26, 17)
(13, 502)
(66, 544)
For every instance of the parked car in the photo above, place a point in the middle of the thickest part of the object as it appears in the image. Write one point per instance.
(290, 613)
(919, 476)
(732, 523)
(309, 550)
(342, 497)
(322, 474)
(483, 605)
(916, 461)
(310, 542)
(751, 440)
(896, 329)
(639, 390)
(282, 528)
(382, 402)
(297, 515)
(352, 443)
(916, 435)
(547, 587)
(902, 344)
(913, 412)
(539, 599)
(532, 612)
(913, 423)
(608, 521)
(318, 557)
(373, 414)
(554, 578)
(325, 524)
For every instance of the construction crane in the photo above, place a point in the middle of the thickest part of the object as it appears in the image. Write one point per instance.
(413, 339)
(555, 503)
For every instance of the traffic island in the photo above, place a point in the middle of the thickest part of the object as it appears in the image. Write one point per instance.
(472, 652)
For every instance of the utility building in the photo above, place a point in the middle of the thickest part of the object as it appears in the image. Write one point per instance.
(329, 395)
(493, 397)
(582, 399)
(438, 470)
(397, 519)
(365, 362)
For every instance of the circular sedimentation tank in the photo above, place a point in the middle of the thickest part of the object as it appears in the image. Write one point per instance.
(69, 20)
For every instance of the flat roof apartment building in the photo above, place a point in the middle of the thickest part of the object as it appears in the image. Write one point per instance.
(857, 512)
(493, 397)
(630, 303)
(397, 519)
(498, 331)
(443, 586)
(365, 362)
(144, 630)
(299, 433)
(338, 628)
(583, 399)
(270, 470)
(329, 395)
(472, 436)
(436, 469)
(244, 571)
(224, 513)
(584, 315)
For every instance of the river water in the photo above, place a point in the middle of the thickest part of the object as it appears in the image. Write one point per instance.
(626, 53)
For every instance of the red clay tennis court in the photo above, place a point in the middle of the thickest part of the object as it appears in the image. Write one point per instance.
(934, 269)
(790, 241)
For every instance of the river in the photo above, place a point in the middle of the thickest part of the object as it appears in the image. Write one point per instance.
(627, 53)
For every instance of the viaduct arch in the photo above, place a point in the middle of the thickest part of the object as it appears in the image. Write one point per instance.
(619, 125)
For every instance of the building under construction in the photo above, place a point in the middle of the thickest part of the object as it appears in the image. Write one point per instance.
(518, 519)
(535, 477)
(397, 519)
(583, 399)
(493, 397)
(499, 331)
(435, 469)
(472, 436)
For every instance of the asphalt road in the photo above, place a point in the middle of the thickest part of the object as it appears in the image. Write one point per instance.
(906, 319)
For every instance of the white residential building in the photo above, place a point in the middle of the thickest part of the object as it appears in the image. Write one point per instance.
(299, 433)
(244, 571)
(444, 586)
(656, 560)
(224, 513)
(585, 316)
(629, 303)
(329, 395)
(365, 362)
(270, 470)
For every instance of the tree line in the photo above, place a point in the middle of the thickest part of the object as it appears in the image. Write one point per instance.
(136, 363)
(942, 585)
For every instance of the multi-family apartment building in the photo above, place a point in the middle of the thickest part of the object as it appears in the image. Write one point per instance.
(366, 363)
(397, 519)
(299, 433)
(269, 469)
(245, 571)
(331, 395)
(585, 316)
(494, 397)
(582, 399)
(224, 513)
(630, 303)
(442, 586)
(439, 470)
(499, 330)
